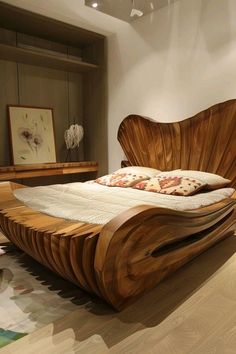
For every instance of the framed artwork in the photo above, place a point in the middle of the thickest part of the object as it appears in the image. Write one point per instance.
(32, 135)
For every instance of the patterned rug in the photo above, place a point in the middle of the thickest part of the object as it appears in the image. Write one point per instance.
(31, 296)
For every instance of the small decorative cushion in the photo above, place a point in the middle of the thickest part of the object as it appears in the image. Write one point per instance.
(211, 180)
(148, 171)
(121, 179)
(174, 185)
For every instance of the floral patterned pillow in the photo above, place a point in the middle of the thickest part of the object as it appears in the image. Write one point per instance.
(121, 179)
(171, 185)
(211, 180)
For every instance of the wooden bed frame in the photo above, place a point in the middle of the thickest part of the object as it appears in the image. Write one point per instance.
(137, 249)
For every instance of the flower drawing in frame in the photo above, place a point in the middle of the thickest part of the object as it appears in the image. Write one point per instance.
(32, 135)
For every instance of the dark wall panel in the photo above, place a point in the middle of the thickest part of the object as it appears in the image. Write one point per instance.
(41, 87)
(8, 95)
(75, 108)
(95, 107)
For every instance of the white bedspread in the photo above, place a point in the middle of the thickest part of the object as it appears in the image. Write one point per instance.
(97, 204)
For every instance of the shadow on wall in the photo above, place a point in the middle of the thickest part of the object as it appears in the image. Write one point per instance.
(130, 51)
(139, 40)
(155, 28)
(215, 22)
(212, 17)
(185, 26)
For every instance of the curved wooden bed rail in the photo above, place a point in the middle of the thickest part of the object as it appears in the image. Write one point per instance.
(205, 142)
(137, 249)
(64, 246)
(126, 257)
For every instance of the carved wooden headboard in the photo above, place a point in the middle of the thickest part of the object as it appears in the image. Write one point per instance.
(205, 142)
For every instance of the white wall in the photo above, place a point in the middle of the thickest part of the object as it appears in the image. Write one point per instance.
(172, 64)
(168, 65)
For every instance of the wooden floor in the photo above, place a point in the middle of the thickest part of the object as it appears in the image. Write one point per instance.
(192, 312)
(2, 238)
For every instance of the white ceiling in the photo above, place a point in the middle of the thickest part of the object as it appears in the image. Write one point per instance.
(122, 8)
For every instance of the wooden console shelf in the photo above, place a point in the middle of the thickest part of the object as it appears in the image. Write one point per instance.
(33, 57)
(46, 169)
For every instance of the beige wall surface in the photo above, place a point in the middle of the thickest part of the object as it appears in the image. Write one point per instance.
(168, 65)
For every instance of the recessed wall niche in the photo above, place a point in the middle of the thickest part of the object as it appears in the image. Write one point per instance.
(48, 63)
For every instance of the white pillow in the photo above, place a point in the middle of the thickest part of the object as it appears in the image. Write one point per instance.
(211, 180)
(148, 171)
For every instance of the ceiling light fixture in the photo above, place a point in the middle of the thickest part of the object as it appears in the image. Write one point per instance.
(135, 12)
(94, 5)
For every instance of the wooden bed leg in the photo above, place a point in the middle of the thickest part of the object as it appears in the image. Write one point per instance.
(135, 252)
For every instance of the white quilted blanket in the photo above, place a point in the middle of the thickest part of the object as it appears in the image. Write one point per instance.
(97, 204)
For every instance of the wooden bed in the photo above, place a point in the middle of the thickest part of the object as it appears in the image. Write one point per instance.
(134, 251)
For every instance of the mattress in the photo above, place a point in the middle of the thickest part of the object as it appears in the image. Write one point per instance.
(98, 204)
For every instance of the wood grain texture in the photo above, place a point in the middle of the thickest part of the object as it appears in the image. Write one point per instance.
(29, 56)
(137, 249)
(46, 169)
(122, 259)
(205, 142)
(54, 242)
(192, 311)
